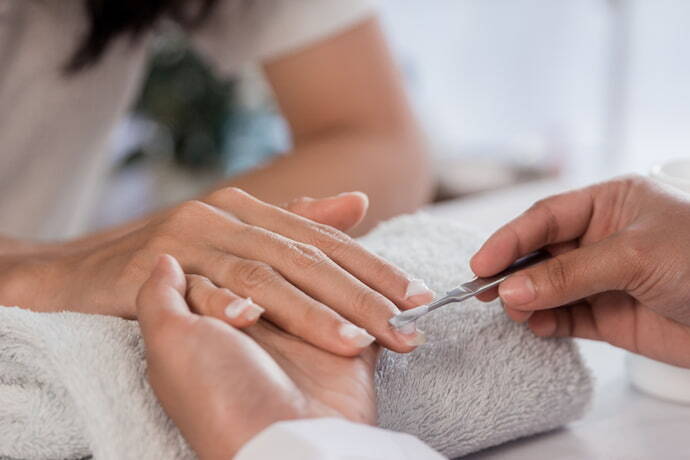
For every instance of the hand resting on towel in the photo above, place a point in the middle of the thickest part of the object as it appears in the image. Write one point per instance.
(311, 279)
(222, 386)
(621, 273)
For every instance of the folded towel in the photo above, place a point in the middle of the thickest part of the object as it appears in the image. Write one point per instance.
(73, 385)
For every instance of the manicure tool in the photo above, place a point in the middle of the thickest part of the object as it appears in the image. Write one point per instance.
(468, 289)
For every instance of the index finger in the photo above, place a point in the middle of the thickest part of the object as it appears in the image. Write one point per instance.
(552, 220)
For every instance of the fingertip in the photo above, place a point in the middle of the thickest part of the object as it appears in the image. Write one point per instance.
(363, 199)
(343, 211)
(399, 340)
(484, 262)
(356, 338)
(168, 270)
(488, 296)
(163, 292)
(409, 338)
(517, 315)
(497, 252)
(242, 313)
(356, 205)
(416, 293)
(476, 263)
(543, 323)
(417, 300)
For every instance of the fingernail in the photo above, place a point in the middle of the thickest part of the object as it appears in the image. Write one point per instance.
(412, 336)
(239, 306)
(416, 286)
(517, 290)
(356, 335)
(253, 312)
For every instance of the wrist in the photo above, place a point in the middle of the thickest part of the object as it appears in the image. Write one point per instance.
(217, 444)
(28, 276)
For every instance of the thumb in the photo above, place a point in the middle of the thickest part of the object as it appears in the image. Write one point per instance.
(567, 278)
(162, 295)
(343, 211)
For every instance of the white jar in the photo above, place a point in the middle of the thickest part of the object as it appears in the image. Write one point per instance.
(653, 377)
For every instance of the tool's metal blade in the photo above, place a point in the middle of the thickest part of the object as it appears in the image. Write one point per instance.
(467, 290)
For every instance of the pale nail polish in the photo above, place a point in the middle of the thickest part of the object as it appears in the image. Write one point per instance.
(237, 307)
(253, 312)
(418, 339)
(409, 328)
(356, 335)
(417, 286)
(411, 335)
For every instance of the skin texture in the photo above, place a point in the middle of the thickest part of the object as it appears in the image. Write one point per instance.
(620, 272)
(352, 129)
(242, 381)
(351, 125)
(310, 278)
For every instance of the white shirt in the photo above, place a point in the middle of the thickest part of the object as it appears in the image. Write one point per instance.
(54, 128)
(333, 439)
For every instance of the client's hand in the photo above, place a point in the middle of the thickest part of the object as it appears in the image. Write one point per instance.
(221, 386)
(621, 271)
(311, 279)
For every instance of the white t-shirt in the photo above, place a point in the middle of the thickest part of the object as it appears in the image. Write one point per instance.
(54, 128)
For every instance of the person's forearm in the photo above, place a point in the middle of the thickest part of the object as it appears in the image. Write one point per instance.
(22, 268)
(16, 246)
(392, 169)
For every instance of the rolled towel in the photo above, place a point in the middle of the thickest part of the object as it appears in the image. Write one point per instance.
(481, 379)
(73, 385)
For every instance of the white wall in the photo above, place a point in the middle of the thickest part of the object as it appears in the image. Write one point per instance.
(504, 74)
(658, 124)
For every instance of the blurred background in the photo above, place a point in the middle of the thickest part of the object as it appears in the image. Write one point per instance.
(512, 94)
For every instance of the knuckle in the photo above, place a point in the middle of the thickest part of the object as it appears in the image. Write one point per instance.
(557, 275)
(159, 243)
(184, 215)
(365, 301)
(306, 256)
(635, 247)
(632, 180)
(551, 224)
(330, 240)
(229, 196)
(635, 251)
(190, 209)
(310, 317)
(252, 275)
(296, 203)
(381, 270)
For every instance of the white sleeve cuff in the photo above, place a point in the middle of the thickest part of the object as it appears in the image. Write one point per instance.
(333, 439)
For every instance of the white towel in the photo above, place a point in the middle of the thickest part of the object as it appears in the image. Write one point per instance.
(72, 385)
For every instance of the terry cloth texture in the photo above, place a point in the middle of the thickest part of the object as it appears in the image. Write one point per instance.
(73, 385)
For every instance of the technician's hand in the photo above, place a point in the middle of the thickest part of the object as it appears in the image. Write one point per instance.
(621, 271)
(311, 279)
(221, 386)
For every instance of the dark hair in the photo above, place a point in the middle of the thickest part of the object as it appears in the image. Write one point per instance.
(109, 19)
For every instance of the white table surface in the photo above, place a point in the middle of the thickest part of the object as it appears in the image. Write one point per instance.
(622, 423)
